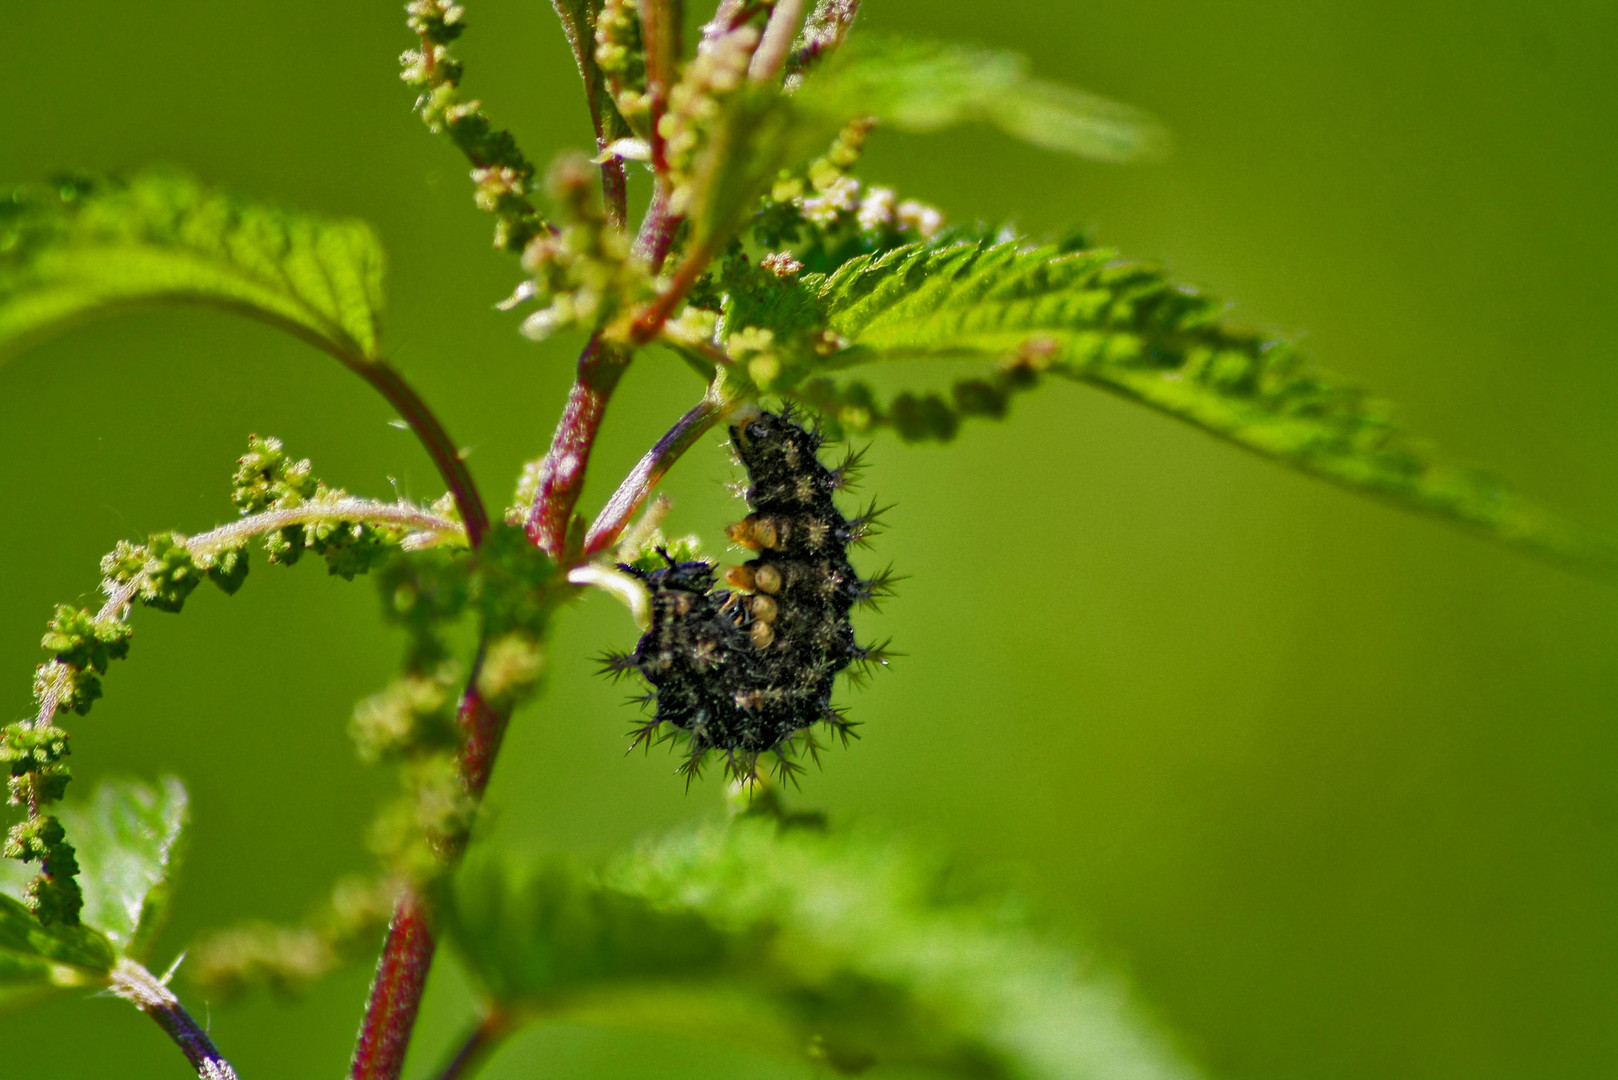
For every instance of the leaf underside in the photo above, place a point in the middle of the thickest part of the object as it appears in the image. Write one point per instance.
(849, 949)
(86, 246)
(1126, 328)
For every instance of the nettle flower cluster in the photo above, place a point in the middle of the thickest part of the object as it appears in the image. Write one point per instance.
(284, 506)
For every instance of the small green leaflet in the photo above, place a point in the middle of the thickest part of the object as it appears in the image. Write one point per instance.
(1127, 329)
(849, 949)
(128, 841)
(88, 246)
(927, 86)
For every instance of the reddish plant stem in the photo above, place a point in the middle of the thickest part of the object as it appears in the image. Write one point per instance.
(407, 954)
(614, 187)
(657, 231)
(610, 523)
(601, 365)
(561, 474)
(603, 114)
(650, 321)
(440, 447)
(401, 976)
(478, 1045)
(660, 32)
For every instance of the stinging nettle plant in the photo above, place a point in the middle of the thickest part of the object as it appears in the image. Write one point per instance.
(764, 265)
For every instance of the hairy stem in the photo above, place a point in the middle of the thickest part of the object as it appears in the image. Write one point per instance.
(440, 447)
(150, 995)
(610, 523)
(653, 244)
(401, 976)
(649, 323)
(408, 951)
(828, 25)
(404, 515)
(771, 55)
(561, 474)
(657, 231)
(614, 186)
(430, 527)
(601, 365)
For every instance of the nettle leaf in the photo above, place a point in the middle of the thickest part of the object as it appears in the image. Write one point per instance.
(86, 246)
(128, 841)
(849, 949)
(756, 130)
(36, 960)
(753, 134)
(1032, 309)
(927, 86)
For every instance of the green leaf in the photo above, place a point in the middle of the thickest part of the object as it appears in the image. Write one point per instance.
(35, 956)
(1125, 328)
(130, 843)
(87, 246)
(927, 86)
(850, 949)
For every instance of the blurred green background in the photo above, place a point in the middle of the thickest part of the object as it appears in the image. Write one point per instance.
(1332, 783)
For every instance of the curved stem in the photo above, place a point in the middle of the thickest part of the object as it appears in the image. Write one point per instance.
(151, 995)
(402, 515)
(440, 447)
(628, 590)
(615, 516)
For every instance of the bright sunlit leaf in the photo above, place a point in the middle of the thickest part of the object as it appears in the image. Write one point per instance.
(88, 246)
(1030, 309)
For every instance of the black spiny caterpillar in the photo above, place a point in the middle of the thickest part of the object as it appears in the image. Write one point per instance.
(748, 670)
